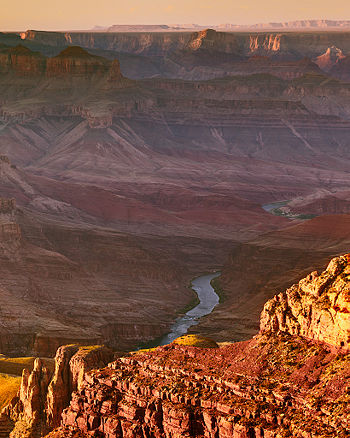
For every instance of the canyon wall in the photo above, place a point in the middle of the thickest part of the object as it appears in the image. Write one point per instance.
(154, 44)
(200, 55)
(292, 44)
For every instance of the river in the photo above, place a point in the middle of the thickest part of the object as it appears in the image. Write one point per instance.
(273, 205)
(208, 299)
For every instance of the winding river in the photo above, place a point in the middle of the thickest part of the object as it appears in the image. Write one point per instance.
(208, 299)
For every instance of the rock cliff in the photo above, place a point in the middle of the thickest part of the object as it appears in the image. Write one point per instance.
(76, 61)
(331, 57)
(292, 44)
(43, 395)
(267, 387)
(72, 62)
(22, 61)
(318, 307)
(204, 54)
(211, 40)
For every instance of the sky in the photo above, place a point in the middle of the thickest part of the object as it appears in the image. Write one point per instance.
(85, 14)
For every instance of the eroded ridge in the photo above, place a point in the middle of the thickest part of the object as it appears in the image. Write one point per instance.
(267, 387)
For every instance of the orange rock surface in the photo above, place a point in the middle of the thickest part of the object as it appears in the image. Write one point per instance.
(318, 307)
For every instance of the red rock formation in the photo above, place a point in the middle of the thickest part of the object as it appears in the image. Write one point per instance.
(27, 409)
(249, 390)
(211, 40)
(42, 397)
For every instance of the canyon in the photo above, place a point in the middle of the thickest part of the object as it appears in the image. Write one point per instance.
(126, 187)
(132, 164)
(288, 380)
(203, 54)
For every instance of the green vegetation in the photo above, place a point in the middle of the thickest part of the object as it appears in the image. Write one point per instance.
(279, 212)
(196, 341)
(215, 284)
(150, 345)
(306, 216)
(193, 303)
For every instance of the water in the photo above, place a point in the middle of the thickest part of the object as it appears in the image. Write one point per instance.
(273, 205)
(208, 299)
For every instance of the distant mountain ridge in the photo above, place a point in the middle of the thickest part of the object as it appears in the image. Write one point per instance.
(283, 25)
(297, 24)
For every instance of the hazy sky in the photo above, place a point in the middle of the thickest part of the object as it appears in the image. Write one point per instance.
(84, 14)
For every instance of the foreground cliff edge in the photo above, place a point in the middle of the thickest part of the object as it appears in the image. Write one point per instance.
(290, 380)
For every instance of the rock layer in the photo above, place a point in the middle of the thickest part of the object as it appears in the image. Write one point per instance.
(243, 391)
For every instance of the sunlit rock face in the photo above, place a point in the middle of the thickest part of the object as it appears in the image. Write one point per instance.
(45, 393)
(318, 307)
(330, 58)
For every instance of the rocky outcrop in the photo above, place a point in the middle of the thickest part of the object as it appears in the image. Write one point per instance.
(278, 384)
(26, 410)
(331, 57)
(260, 388)
(22, 61)
(43, 395)
(144, 43)
(211, 40)
(318, 307)
(75, 61)
(71, 62)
